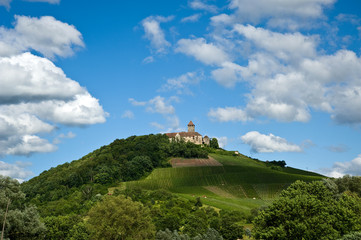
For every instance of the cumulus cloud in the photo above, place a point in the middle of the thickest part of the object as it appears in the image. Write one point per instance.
(155, 34)
(282, 45)
(17, 170)
(202, 5)
(280, 13)
(157, 104)
(228, 114)
(45, 35)
(181, 84)
(207, 53)
(261, 143)
(339, 169)
(35, 97)
(288, 78)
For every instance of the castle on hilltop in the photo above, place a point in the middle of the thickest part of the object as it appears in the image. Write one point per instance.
(190, 136)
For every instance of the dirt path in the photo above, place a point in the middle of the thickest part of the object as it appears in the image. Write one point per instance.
(194, 162)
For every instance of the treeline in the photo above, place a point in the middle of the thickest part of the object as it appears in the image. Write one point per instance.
(70, 187)
(327, 209)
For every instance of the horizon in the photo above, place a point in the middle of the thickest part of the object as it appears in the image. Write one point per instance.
(273, 80)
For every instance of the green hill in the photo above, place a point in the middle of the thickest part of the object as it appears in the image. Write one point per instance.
(239, 182)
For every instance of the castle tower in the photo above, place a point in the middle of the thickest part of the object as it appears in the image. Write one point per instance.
(191, 127)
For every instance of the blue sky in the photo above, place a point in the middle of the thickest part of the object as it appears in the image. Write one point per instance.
(273, 79)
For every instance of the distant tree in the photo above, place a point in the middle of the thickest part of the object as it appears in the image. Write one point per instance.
(309, 211)
(349, 183)
(352, 236)
(214, 143)
(120, 218)
(22, 221)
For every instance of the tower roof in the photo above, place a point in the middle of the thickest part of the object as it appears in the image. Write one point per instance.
(190, 123)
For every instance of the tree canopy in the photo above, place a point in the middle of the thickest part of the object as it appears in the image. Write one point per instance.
(310, 211)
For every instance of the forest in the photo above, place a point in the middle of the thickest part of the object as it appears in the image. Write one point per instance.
(73, 201)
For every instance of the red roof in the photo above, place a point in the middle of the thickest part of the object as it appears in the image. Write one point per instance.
(190, 123)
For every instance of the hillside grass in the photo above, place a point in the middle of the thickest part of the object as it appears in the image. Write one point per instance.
(241, 183)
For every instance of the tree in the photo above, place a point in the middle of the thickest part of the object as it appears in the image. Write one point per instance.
(22, 221)
(352, 236)
(214, 143)
(120, 218)
(309, 211)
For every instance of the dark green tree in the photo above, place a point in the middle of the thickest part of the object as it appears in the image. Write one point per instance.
(120, 218)
(309, 211)
(214, 143)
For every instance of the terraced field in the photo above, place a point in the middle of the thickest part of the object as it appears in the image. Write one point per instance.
(238, 182)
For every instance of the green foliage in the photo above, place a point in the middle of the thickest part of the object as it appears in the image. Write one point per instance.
(309, 211)
(210, 234)
(22, 220)
(70, 187)
(276, 163)
(349, 183)
(64, 227)
(117, 217)
(231, 227)
(213, 143)
(352, 236)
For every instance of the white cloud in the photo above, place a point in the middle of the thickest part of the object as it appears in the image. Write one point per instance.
(128, 114)
(5, 3)
(148, 59)
(45, 35)
(340, 169)
(136, 103)
(30, 144)
(159, 105)
(207, 53)
(228, 114)
(48, 1)
(35, 96)
(228, 75)
(288, 78)
(280, 13)
(17, 171)
(26, 77)
(181, 84)
(201, 5)
(157, 125)
(61, 136)
(222, 141)
(268, 143)
(286, 46)
(155, 34)
(192, 18)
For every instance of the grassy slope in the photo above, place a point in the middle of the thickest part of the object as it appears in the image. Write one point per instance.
(241, 183)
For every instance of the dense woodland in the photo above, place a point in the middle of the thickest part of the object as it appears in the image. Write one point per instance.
(71, 201)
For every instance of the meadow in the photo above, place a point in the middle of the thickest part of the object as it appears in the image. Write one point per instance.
(242, 183)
